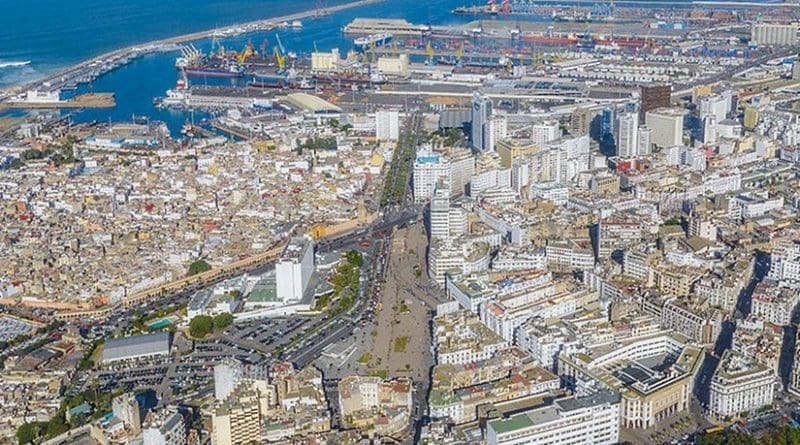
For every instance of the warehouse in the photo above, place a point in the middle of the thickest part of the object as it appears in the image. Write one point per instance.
(136, 346)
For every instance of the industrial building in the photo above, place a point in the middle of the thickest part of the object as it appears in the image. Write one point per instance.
(136, 347)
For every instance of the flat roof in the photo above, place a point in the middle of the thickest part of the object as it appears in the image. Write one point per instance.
(311, 103)
(136, 346)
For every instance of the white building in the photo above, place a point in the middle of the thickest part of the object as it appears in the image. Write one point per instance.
(226, 376)
(429, 169)
(592, 420)
(498, 130)
(545, 132)
(627, 136)
(294, 269)
(740, 385)
(387, 125)
(126, 408)
(645, 141)
(165, 429)
(785, 262)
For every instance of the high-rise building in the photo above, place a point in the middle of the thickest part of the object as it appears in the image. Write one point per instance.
(387, 125)
(590, 420)
(294, 269)
(653, 97)
(429, 169)
(627, 135)
(440, 213)
(238, 419)
(709, 129)
(481, 129)
(773, 34)
(580, 122)
(545, 132)
(645, 142)
(498, 130)
(462, 167)
(126, 408)
(667, 126)
(607, 126)
(717, 106)
(751, 116)
(227, 375)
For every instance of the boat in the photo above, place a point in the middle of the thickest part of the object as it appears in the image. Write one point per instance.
(362, 44)
(297, 24)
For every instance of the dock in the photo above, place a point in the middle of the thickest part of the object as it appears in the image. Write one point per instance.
(89, 100)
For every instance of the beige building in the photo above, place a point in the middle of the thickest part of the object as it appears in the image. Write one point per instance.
(666, 125)
(751, 116)
(238, 419)
(394, 66)
(509, 149)
(325, 62)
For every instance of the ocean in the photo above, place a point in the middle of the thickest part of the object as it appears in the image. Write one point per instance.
(38, 37)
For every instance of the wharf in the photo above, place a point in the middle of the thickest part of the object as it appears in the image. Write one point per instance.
(89, 100)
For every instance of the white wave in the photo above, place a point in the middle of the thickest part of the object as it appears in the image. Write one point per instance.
(14, 64)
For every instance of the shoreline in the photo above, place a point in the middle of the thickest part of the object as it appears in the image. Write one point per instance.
(120, 57)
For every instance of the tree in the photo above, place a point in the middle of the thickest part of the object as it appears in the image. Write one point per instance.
(197, 267)
(200, 326)
(354, 257)
(222, 321)
(28, 432)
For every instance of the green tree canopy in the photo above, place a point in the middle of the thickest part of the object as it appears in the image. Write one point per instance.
(200, 326)
(197, 267)
(222, 321)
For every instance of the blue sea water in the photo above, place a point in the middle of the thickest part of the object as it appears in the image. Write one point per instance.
(53, 34)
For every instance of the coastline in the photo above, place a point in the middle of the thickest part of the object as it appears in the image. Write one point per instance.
(124, 55)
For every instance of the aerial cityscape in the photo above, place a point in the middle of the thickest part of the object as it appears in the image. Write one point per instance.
(498, 222)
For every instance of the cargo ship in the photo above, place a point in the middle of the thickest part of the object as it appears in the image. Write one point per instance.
(211, 71)
(372, 41)
(278, 82)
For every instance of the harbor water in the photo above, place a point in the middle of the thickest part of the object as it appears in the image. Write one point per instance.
(39, 37)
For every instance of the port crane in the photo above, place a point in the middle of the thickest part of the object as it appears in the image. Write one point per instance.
(246, 53)
(280, 53)
(429, 52)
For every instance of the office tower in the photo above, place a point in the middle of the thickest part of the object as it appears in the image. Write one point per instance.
(653, 97)
(481, 111)
(667, 126)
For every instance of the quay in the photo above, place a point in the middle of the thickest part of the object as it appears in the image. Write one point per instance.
(89, 100)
